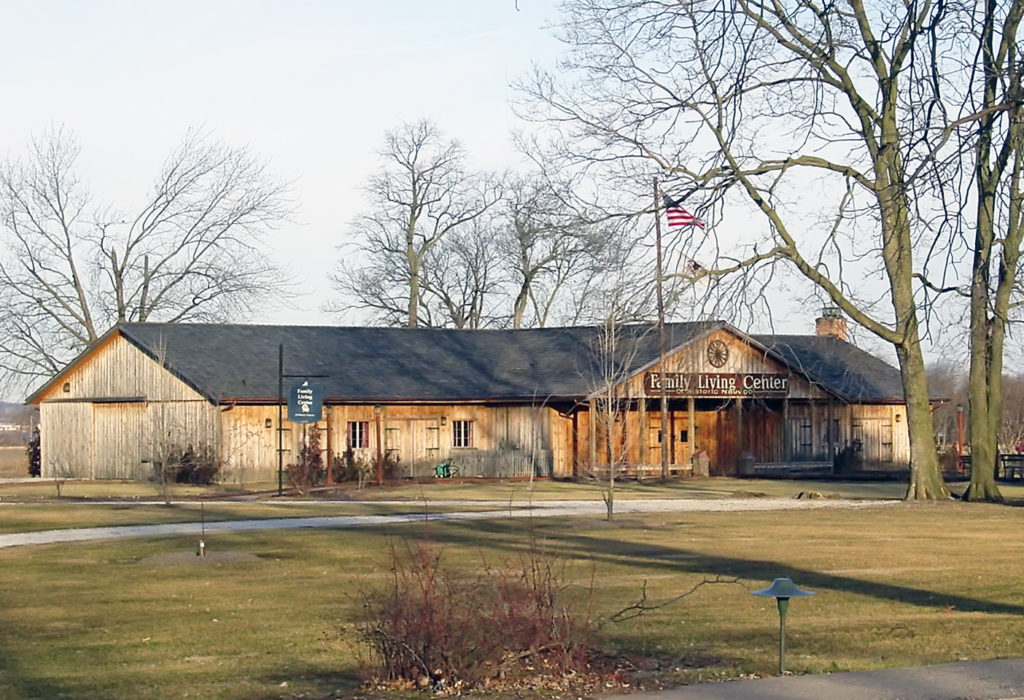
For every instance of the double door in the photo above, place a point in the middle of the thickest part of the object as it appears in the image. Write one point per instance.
(678, 437)
(415, 443)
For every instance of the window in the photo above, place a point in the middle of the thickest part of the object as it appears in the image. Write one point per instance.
(462, 433)
(358, 433)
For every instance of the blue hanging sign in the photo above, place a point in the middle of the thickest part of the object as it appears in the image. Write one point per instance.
(305, 403)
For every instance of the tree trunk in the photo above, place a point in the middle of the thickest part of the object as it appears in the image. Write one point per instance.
(925, 475)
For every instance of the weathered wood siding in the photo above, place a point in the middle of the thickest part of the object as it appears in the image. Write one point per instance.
(563, 439)
(65, 440)
(743, 359)
(117, 408)
(808, 425)
(418, 437)
(248, 447)
(881, 432)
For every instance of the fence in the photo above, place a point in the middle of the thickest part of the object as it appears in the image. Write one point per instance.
(502, 464)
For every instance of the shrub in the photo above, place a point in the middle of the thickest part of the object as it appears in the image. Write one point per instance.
(196, 468)
(309, 469)
(348, 467)
(438, 627)
(35, 465)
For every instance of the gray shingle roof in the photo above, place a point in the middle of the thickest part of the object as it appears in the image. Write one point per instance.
(843, 369)
(239, 362)
(379, 364)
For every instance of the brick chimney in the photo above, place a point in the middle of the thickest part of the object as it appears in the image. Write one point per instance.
(831, 323)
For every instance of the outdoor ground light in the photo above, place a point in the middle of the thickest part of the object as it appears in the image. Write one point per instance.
(782, 589)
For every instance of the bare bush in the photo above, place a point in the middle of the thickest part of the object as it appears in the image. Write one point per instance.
(440, 628)
(309, 470)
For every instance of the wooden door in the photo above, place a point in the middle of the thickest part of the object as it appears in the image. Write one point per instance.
(119, 443)
(801, 438)
(415, 443)
(679, 446)
(875, 437)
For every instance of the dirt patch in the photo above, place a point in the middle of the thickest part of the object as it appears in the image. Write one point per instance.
(192, 559)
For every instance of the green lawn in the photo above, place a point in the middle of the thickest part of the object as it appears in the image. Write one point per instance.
(13, 461)
(45, 490)
(897, 585)
(35, 506)
(30, 517)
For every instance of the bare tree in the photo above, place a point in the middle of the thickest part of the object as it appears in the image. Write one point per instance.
(423, 193)
(991, 130)
(946, 383)
(801, 116)
(461, 279)
(608, 406)
(1011, 428)
(70, 268)
(611, 354)
(549, 246)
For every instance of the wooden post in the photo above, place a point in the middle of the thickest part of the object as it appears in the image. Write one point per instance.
(576, 442)
(280, 419)
(814, 428)
(592, 435)
(642, 419)
(741, 442)
(830, 433)
(329, 447)
(692, 430)
(669, 435)
(377, 410)
(786, 447)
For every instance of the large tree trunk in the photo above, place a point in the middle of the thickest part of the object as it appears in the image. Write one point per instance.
(984, 390)
(925, 475)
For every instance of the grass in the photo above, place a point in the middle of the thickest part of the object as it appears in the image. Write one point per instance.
(13, 461)
(112, 489)
(33, 506)
(469, 490)
(31, 517)
(897, 585)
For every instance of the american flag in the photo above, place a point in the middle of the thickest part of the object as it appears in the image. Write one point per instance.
(678, 216)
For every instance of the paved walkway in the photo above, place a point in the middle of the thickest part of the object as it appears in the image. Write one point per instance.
(517, 509)
(1001, 679)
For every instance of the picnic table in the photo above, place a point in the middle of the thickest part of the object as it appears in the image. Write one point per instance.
(1011, 467)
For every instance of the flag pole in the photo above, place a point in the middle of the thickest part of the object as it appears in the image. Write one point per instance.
(665, 435)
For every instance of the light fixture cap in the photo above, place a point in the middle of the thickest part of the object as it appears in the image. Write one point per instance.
(783, 588)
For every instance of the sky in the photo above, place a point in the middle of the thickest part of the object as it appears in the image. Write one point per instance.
(310, 86)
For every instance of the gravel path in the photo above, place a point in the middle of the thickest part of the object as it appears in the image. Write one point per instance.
(518, 509)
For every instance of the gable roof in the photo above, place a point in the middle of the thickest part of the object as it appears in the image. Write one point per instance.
(227, 362)
(842, 369)
(240, 362)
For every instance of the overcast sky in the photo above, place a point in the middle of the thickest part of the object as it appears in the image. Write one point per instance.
(309, 85)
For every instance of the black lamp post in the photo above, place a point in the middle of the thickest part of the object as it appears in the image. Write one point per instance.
(782, 589)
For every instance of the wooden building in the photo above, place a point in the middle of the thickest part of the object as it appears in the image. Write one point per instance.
(558, 402)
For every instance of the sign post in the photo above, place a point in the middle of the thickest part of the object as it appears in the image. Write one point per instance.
(303, 396)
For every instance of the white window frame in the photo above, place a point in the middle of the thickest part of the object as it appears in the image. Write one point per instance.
(358, 434)
(462, 433)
